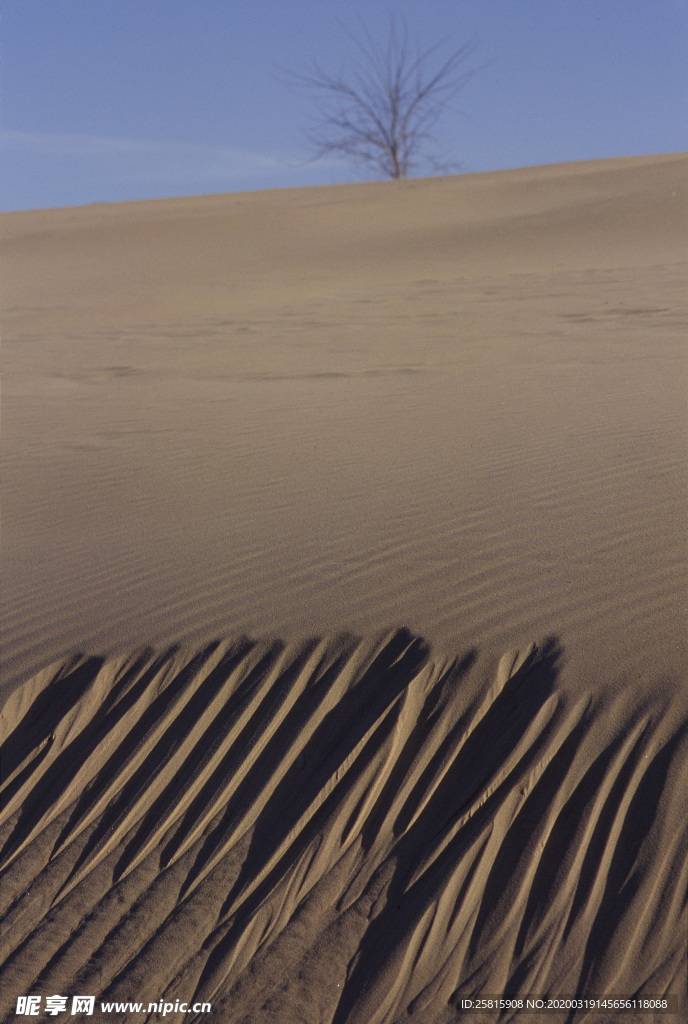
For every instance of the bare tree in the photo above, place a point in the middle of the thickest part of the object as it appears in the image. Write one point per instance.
(380, 114)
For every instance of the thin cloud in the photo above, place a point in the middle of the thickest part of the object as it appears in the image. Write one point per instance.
(179, 163)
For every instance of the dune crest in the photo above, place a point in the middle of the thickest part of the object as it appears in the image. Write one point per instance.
(337, 830)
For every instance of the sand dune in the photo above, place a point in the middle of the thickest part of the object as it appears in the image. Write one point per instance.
(338, 830)
(235, 423)
(459, 405)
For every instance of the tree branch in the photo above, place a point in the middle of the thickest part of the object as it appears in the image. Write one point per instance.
(381, 114)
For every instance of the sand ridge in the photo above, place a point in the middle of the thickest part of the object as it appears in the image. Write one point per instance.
(247, 822)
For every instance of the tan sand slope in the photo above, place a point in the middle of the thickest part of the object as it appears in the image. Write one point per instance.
(339, 831)
(455, 403)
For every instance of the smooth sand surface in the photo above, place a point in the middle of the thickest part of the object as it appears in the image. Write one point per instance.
(344, 604)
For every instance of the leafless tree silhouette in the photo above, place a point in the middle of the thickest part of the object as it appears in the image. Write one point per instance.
(380, 114)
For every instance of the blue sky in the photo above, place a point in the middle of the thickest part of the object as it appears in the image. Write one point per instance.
(109, 100)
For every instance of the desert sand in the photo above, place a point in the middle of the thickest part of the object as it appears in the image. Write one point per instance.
(344, 604)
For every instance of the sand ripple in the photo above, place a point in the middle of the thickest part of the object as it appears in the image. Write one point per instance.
(337, 830)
